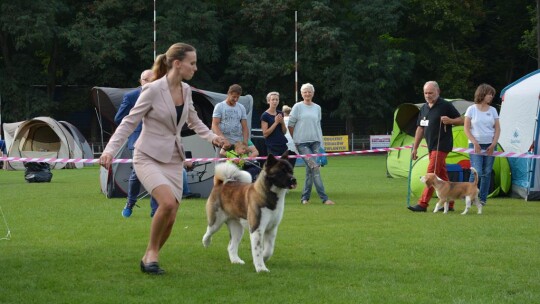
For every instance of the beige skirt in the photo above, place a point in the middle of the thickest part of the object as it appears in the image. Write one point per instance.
(152, 173)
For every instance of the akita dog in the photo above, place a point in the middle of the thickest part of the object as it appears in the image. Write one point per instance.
(256, 206)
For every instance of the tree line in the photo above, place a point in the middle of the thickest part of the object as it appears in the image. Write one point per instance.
(364, 57)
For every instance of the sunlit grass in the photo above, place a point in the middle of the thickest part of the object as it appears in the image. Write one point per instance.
(69, 244)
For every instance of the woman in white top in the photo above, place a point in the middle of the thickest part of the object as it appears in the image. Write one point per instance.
(482, 129)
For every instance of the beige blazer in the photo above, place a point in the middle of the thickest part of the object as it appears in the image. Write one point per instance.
(160, 134)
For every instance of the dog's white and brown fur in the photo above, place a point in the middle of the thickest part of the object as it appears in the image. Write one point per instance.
(257, 206)
(448, 191)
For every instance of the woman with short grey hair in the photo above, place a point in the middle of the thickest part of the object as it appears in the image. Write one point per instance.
(305, 128)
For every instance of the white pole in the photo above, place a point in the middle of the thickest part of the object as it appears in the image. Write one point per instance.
(154, 30)
(296, 56)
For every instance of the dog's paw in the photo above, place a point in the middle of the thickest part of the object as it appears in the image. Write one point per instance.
(262, 269)
(237, 261)
(206, 241)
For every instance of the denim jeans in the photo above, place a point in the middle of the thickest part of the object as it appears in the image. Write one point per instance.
(313, 172)
(134, 187)
(185, 187)
(483, 165)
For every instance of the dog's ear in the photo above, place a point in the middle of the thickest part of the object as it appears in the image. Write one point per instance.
(285, 155)
(270, 160)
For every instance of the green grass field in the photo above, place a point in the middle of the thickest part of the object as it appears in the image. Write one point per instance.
(70, 244)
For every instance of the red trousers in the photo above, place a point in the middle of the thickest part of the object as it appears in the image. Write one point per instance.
(437, 165)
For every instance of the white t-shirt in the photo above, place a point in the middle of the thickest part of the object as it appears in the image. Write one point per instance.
(290, 142)
(482, 124)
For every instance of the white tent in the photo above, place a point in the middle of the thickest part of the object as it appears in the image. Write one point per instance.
(520, 131)
(44, 137)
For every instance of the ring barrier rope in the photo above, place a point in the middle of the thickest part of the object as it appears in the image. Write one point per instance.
(203, 159)
(206, 159)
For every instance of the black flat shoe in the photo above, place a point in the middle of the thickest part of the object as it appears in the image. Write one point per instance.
(417, 208)
(151, 268)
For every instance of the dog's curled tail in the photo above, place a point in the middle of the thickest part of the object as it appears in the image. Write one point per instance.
(473, 170)
(227, 172)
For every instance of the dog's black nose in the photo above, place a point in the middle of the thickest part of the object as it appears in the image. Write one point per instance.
(293, 180)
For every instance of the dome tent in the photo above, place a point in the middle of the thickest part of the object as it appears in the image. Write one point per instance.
(42, 137)
(520, 133)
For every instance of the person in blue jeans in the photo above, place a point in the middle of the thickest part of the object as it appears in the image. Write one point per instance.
(186, 192)
(482, 129)
(134, 185)
(305, 128)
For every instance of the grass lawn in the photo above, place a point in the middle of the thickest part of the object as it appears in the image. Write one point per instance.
(70, 244)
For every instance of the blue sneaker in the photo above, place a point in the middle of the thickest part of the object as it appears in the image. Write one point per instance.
(128, 209)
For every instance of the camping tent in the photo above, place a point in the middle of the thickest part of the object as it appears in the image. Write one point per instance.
(399, 162)
(107, 102)
(44, 137)
(79, 139)
(519, 133)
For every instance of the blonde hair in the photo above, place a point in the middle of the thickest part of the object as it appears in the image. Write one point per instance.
(240, 148)
(270, 95)
(286, 109)
(164, 62)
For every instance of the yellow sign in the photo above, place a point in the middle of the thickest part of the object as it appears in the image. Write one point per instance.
(337, 143)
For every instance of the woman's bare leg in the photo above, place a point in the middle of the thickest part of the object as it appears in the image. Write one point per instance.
(162, 222)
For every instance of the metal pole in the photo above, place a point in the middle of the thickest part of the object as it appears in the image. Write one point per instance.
(296, 56)
(154, 30)
(409, 181)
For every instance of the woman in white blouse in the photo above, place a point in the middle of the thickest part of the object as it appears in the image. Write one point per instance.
(482, 129)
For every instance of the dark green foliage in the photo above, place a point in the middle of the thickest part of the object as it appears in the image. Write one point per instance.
(363, 57)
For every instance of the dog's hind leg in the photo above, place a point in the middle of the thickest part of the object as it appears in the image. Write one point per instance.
(257, 249)
(478, 204)
(219, 218)
(467, 205)
(236, 232)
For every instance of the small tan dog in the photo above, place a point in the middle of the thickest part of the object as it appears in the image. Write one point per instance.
(448, 191)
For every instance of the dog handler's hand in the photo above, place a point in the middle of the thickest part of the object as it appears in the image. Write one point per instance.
(105, 160)
(413, 154)
(221, 141)
(490, 150)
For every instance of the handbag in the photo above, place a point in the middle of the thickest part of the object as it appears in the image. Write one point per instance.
(322, 160)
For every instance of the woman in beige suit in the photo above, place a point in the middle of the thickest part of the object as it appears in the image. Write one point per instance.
(164, 106)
